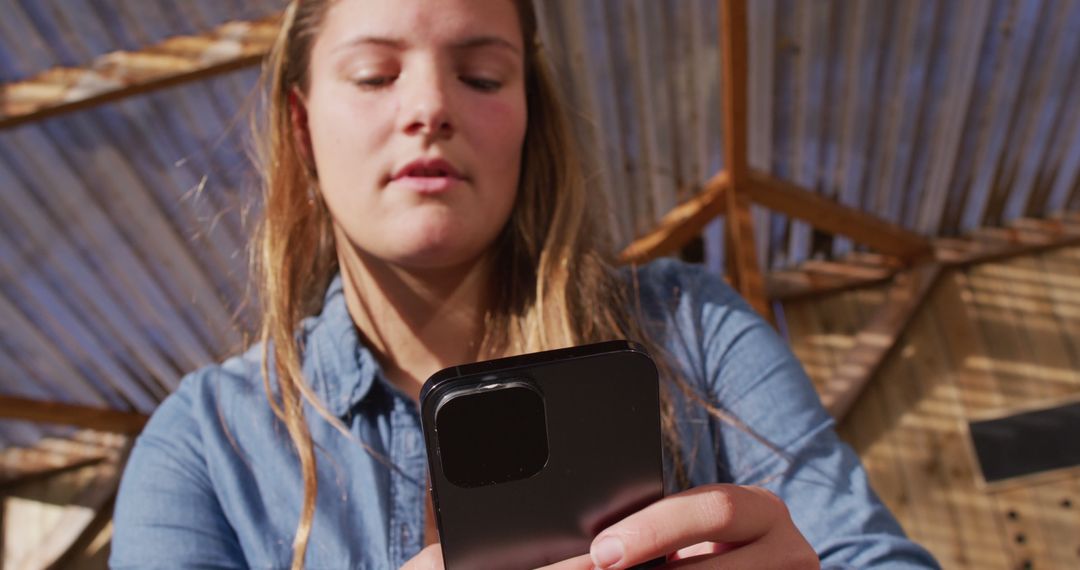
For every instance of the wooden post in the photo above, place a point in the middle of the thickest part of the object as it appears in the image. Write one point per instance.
(739, 228)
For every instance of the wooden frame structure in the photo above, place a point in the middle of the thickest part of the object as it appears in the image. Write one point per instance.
(121, 74)
(732, 191)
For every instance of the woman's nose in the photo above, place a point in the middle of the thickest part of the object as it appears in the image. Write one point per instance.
(427, 105)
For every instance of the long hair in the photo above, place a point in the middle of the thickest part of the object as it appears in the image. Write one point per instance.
(554, 262)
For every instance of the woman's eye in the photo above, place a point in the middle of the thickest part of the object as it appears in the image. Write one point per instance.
(373, 82)
(481, 84)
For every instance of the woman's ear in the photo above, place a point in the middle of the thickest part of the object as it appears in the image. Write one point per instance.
(301, 134)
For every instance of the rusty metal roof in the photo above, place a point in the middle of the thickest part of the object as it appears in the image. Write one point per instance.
(123, 226)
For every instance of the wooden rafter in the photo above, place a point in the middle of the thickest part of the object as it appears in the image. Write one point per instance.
(120, 74)
(741, 254)
(68, 414)
(681, 224)
(745, 185)
(825, 214)
(1025, 237)
(879, 338)
(39, 471)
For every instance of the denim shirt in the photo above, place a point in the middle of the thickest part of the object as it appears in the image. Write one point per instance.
(214, 482)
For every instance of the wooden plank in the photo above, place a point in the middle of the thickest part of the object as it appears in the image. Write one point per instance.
(739, 226)
(51, 456)
(878, 339)
(78, 526)
(36, 471)
(909, 393)
(792, 285)
(739, 235)
(1046, 306)
(681, 224)
(1014, 244)
(1027, 237)
(82, 416)
(735, 77)
(113, 76)
(830, 216)
(975, 529)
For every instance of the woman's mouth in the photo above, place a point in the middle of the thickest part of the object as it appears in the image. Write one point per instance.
(427, 176)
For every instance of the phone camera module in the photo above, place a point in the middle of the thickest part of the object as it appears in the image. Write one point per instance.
(492, 434)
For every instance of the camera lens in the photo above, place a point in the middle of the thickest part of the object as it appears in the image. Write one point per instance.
(492, 434)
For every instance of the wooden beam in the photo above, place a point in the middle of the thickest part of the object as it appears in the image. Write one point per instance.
(68, 414)
(878, 338)
(741, 254)
(1026, 237)
(802, 283)
(37, 472)
(827, 215)
(735, 77)
(681, 224)
(120, 74)
(78, 526)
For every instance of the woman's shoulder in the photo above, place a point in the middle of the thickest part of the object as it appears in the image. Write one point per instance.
(689, 293)
(203, 394)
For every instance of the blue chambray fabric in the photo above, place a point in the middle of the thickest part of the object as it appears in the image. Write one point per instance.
(213, 481)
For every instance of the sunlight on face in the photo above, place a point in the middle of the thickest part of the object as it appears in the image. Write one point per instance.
(417, 116)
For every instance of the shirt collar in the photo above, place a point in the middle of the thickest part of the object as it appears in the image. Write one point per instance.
(341, 369)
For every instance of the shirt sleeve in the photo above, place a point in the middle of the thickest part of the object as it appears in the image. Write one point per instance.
(167, 513)
(785, 439)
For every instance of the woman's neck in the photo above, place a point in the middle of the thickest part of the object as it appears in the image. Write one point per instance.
(416, 322)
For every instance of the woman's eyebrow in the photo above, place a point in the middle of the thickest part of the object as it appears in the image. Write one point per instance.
(485, 41)
(400, 44)
(396, 43)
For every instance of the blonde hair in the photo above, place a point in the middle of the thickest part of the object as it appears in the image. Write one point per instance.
(558, 286)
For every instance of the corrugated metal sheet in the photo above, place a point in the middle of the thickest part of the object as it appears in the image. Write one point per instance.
(122, 227)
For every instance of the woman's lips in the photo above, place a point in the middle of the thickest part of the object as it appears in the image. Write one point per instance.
(426, 184)
(427, 176)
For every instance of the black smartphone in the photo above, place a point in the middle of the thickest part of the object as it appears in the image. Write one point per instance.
(531, 456)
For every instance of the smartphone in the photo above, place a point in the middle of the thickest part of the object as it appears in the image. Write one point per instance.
(531, 456)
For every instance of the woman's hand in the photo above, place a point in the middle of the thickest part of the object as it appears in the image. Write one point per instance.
(430, 558)
(712, 526)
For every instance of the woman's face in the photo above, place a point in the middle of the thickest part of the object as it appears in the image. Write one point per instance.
(416, 113)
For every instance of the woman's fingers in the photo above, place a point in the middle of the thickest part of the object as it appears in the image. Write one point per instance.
(771, 553)
(723, 514)
(698, 550)
(583, 562)
(429, 558)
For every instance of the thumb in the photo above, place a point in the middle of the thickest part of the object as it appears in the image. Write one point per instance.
(429, 558)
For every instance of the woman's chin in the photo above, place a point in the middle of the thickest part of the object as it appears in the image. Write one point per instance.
(421, 253)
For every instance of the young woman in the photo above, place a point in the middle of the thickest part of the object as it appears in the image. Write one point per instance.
(422, 209)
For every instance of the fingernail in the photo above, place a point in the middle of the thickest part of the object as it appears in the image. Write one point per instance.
(608, 552)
